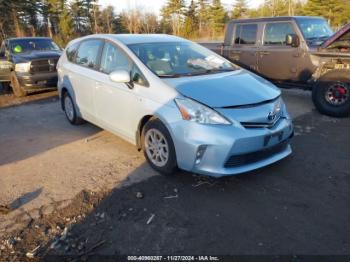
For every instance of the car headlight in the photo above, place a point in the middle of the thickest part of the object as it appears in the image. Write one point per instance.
(196, 112)
(22, 67)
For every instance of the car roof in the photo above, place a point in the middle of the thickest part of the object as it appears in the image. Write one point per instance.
(128, 39)
(273, 19)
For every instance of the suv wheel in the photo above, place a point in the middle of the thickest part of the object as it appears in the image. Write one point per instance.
(16, 87)
(158, 147)
(331, 95)
(70, 111)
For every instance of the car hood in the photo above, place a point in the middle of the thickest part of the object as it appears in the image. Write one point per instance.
(230, 89)
(33, 55)
(345, 29)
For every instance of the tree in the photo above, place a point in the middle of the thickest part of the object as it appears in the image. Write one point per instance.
(335, 11)
(66, 26)
(203, 16)
(149, 23)
(240, 9)
(191, 21)
(217, 17)
(173, 14)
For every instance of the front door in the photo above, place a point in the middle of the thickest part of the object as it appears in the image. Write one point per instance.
(276, 60)
(115, 102)
(244, 49)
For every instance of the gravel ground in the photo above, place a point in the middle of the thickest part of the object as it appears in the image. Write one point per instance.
(82, 191)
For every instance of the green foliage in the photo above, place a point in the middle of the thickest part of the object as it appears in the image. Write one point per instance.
(240, 9)
(217, 18)
(191, 21)
(335, 11)
(66, 19)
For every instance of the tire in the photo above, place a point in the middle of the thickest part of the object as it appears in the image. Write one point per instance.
(16, 87)
(6, 87)
(331, 94)
(158, 129)
(70, 110)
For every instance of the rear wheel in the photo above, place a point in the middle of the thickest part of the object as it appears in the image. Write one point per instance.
(331, 95)
(70, 111)
(16, 87)
(158, 147)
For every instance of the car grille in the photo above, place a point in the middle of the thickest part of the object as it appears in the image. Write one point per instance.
(261, 125)
(245, 159)
(43, 65)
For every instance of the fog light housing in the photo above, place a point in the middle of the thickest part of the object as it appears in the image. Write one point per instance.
(200, 153)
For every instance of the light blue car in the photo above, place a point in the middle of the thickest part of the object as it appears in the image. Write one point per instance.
(183, 105)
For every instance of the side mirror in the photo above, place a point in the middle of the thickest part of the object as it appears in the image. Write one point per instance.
(292, 40)
(120, 76)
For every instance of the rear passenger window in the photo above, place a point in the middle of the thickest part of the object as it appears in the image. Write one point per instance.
(114, 59)
(246, 34)
(87, 54)
(275, 33)
(71, 51)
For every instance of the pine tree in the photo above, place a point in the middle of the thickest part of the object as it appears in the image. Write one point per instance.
(191, 21)
(203, 16)
(240, 9)
(173, 14)
(217, 17)
(66, 26)
(335, 11)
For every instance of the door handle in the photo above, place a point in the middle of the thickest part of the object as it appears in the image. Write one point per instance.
(264, 53)
(235, 52)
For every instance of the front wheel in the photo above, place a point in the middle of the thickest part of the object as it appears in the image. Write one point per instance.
(331, 95)
(158, 147)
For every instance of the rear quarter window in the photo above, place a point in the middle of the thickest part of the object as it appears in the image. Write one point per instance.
(246, 34)
(71, 51)
(88, 53)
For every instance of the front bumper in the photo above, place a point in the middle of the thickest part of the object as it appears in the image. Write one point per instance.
(38, 80)
(221, 144)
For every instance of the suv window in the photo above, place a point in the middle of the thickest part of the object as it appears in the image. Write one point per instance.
(275, 33)
(246, 34)
(71, 51)
(114, 59)
(87, 54)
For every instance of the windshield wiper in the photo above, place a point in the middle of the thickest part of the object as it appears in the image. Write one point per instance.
(209, 71)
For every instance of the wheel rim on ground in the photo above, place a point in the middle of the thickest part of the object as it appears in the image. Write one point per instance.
(68, 108)
(337, 94)
(156, 147)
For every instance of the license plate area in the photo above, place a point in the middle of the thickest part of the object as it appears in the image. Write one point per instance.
(268, 139)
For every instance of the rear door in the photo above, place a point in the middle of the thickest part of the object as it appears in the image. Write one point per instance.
(5, 64)
(276, 60)
(84, 74)
(245, 45)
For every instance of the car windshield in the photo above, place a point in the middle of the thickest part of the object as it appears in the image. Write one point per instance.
(315, 31)
(19, 46)
(175, 59)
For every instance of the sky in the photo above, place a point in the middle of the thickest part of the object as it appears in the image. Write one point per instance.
(155, 5)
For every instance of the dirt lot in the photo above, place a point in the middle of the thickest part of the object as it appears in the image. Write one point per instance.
(82, 191)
